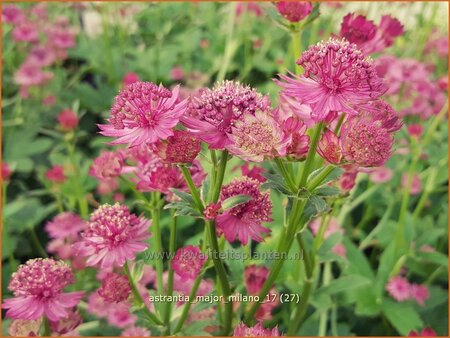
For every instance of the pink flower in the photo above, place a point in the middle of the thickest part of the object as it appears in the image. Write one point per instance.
(61, 38)
(416, 185)
(144, 113)
(419, 293)
(66, 326)
(399, 288)
(38, 290)
(68, 120)
(130, 78)
(12, 14)
(443, 82)
(188, 261)
(289, 106)
(181, 147)
(41, 56)
(30, 74)
(299, 142)
(107, 186)
(337, 77)
(339, 249)
(390, 29)
(177, 73)
(97, 305)
(49, 100)
(254, 278)
(107, 166)
(248, 7)
(63, 225)
(426, 332)
(113, 236)
(380, 175)
(119, 315)
(329, 147)
(55, 174)
(62, 248)
(258, 330)
(333, 227)
(212, 210)
(415, 130)
(294, 11)
(25, 31)
(135, 331)
(255, 172)
(258, 137)
(357, 29)
(25, 328)
(115, 288)
(348, 179)
(244, 220)
(212, 115)
(6, 172)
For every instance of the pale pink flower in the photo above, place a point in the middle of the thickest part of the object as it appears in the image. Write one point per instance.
(443, 82)
(380, 175)
(63, 225)
(113, 236)
(339, 249)
(97, 305)
(108, 165)
(177, 73)
(66, 326)
(107, 186)
(399, 288)
(329, 147)
(181, 147)
(61, 38)
(294, 11)
(135, 331)
(185, 285)
(25, 31)
(333, 227)
(416, 184)
(419, 293)
(38, 290)
(56, 174)
(25, 328)
(212, 115)
(255, 172)
(144, 113)
(30, 74)
(426, 332)
(115, 288)
(41, 56)
(337, 77)
(119, 315)
(265, 310)
(254, 278)
(130, 78)
(68, 120)
(61, 247)
(188, 261)
(245, 220)
(258, 330)
(12, 14)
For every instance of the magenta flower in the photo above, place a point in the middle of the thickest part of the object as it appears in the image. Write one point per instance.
(255, 172)
(329, 147)
(258, 330)
(12, 14)
(97, 305)
(415, 130)
(294, 11)
(419, 293)
(61, 38)
(120, 315)
(25, 31)
(248, 7)
(68, 120)
(113, 236)
(108, 165)
(212, 115)
(64, 225)
(211, 211)
(144, 113)
(177, 73)
(337, 77)
(399, 288)
(357, 29)
(188, 261)
(41, 56)
(38, 290)
(298, 146)
(30, 74)
(135, 331)
(348, 179)
(416, 184)
(56, 174)
(130, 78)
(6, 171)
(245, 220)
(115, 288)
(181, 147)
(254, 278)
(426, 332)
(380, 175)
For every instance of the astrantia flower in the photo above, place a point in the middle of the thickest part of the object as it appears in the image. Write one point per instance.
(68, 120)
(255, 172)
(25, 31)
(244, 220)
(298, 145)
(357, 29)
(181, 147)
(337, 77)
(113, 236)
(130, 78)
(188, 261)
(30, 74)
(38, 290)
(12, 14)
(63, 225)
(415, 130)
(254, 278)
(119, 315)
(258, 330)
(55, 174)
(258, 137)
(426, 332)
(41, 56)
(6, 171)
(115, 288)
(329, 147)
(399, 288)
(144, 113)
(212, 210)
(416, 184)
(67, 326)
(294, 11)
(348, 179)
(212, 115)
(380, 175)
(419, 293)
(25, 328)
(108, 165)
(135, 331)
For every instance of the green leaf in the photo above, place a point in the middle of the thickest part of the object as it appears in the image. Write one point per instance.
(182, 209)
(184, 196)
(367, 303)
(137, 270)
(343, 284)
(402, 316)
(275, 181)
(358, 261)
(327, 191)
(332, 176)
(233, 201)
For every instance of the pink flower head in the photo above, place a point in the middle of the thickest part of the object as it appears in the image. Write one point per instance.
(415, 130)
(419, 293)
(244, 220)
(108, 165)
(64, 225)
(181, 147)
(289, 106)
(113, 236)
(55, 174)
(68, 120)
(399, 288)
(426, 332)
(97, 305)
(31, 74)
(12, 14)
(357, 29)
(255, 172)
(119, 315)
(49, 100)
(380, 175)
(443, 82)
(298, 146)
(25, 31)
(61, 38)
(135, 331)
(41, 56)
(61, 247)
(337, 77)
(212, 210)
(25, 328)
(67, 326)
(258, 330)
(177, 73)
(6, 171)
(416, 184)
(212, 115)
(329, 147)
(339, 249)
(38, 290)
(390, 28)
(115, 288)
(294, 11)
(130, 78)
(348, 179)
(144, 113)
(258, 137)
(333, 227)
(188, 261)
(248, 7)
(254, 278)
(107, 186)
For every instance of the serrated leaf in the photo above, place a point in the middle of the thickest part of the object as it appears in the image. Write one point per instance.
(184, 196)
(182, 209)
(233, 201)
(327, 191)
(275, 181)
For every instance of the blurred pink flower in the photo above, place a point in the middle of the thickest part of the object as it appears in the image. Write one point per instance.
(245, 220)
(181, 147)
(107, 186)
(357, 29)
(49, 100)
(25, 328)
(119, 315)
(56, 174)
(6, 171)
(258, 330)
(416, 185)
(339, 249)
(177, 73)
(419, 293)
(41, 56)
(113, 236)
(399, 288)
(108, 165)
(61, 38)
(115, 288)
(294, 11)
(12, 14)
(30, 74)
(143, 113)
(443, 82)
(380, 175)
(333, 227)
(68, 120)
(255, 172)
(38, 291)
(248, 7)
(188, 261)
(66, 326)
(348, 179)
(426, 332)
(130, 78)
(97, 305)
(25, 31)
(254, 278)
(415, 130)
(65, 224)
(135, 331)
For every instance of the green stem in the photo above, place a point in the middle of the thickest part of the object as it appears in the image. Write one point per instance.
(156, 228)
(347, 208)
(187, 306)
(192, 188)
(324, 314)
(295, 323)
(427, 190)
(220, 175)
(47, 329)
(230, 45)
(37, 244)
(138, 297)
(285, 173)
(172, 245)
(82, 202)
(296, 36)
(316, 181)
(311, 154)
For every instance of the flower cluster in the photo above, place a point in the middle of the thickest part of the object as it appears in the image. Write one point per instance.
(400, 289)
(258, 330)
(188, 261)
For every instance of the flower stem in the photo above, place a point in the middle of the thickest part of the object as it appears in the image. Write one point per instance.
(138, 296)
(296, 35)
(172, 244)
(82, 202)
(156, 227)
(219, 177)
(37, 244)
(187, 306)
(192, 188)
(316, 181)
(285, 173)
(324, 314)
(426, 192)
(230, 45)
(311, 154)
(47, 329)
